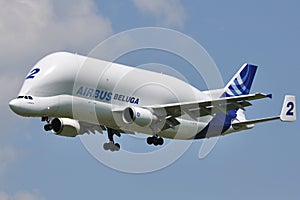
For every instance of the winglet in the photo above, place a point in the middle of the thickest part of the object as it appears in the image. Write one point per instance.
(288, 112)
(270, 96)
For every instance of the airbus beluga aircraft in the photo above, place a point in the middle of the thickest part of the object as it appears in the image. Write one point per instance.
(73, 100)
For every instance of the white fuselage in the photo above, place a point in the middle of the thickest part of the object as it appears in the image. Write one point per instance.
(95, 91)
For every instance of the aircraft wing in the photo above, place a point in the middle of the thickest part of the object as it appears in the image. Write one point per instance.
(204, 108)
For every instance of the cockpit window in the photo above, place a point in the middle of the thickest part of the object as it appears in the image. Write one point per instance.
(25, 97)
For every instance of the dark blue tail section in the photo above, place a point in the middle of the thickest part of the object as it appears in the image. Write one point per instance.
(241, 83)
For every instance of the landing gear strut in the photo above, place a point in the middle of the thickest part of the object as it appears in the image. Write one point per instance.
(111, 145)
(155, 139)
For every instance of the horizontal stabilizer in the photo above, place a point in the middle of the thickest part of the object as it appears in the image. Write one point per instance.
(237, 125)
(288, 114)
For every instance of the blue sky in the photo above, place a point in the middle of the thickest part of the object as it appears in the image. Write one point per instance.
(262, 163)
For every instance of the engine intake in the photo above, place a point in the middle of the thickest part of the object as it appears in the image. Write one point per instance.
(140, 116)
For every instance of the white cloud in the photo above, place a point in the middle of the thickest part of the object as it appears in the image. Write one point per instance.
(9, 85)
(167, 12)
(23, 195)
(8, 154)
(30, 27)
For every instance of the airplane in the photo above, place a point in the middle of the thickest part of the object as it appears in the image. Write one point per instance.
(75, 94)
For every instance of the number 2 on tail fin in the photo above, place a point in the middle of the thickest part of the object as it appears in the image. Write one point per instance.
(288, 111)
(290, 106)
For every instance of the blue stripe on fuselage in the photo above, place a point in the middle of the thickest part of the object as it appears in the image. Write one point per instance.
(218, 125)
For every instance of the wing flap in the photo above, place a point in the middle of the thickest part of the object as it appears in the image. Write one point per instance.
(171, 122)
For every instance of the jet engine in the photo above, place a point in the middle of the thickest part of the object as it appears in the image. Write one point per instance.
(140, 116)
(64, 127)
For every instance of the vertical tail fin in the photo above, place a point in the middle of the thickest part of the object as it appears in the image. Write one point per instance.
(241, 83)
(288, 111)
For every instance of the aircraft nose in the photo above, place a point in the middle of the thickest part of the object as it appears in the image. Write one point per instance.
(14, 105)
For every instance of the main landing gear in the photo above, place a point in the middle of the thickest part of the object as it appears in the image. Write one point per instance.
(155, 140)
(111, 145)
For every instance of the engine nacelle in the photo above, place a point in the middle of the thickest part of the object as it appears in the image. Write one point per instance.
(65, 127)
(140, 116)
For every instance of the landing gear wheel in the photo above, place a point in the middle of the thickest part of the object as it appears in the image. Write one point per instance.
(106, 146)
(150, 140)
(111, 146)
(48, 127)
(155, 140)
(117, 145)
(160, 141)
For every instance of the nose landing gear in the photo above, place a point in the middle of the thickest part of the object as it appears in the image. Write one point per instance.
(48, 126)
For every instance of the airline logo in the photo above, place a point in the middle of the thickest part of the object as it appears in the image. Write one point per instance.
(241, 84)
(106, 95)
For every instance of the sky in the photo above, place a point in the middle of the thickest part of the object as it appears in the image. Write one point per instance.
(262, 163)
